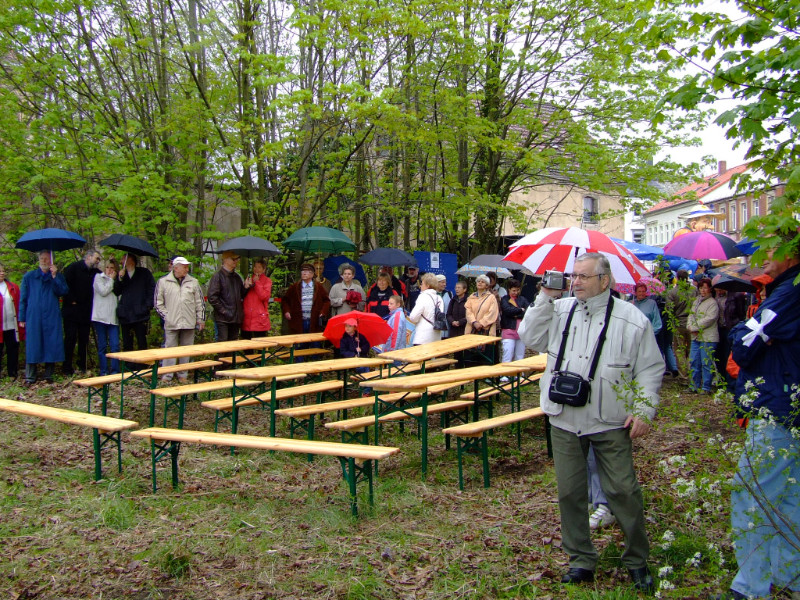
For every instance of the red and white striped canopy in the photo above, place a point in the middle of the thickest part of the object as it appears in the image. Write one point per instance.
(556, 248)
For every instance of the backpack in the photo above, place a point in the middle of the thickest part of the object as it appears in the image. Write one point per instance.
(439, 322)
(439, 318)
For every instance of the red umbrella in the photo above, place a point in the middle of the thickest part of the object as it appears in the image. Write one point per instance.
(556, 248)
(370, 325)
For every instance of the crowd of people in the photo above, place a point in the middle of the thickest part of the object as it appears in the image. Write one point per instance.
(607, 358)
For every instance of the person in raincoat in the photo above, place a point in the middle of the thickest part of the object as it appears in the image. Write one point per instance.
(39, 314)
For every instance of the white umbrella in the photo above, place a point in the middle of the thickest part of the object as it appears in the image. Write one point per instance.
(470, 270)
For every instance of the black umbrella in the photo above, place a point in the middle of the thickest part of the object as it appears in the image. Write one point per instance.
(730, 283)
(129, 244)
(249, 245)
(391, 257)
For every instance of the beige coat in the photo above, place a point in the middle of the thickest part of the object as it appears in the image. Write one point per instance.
(483, 309)
(629, 372)
(703, 319)
(180, 304)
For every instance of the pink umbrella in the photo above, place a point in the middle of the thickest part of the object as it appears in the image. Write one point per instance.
(556, 248)
(698, 245)
(654, 286)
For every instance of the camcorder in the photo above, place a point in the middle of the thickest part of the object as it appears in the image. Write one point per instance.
(554, 280)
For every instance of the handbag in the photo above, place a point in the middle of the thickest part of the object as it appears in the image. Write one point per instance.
(570, 388)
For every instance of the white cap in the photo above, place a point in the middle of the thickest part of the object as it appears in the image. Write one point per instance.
(441, 277)
(179, 260)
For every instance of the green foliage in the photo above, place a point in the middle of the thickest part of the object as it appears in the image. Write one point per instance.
(751, 59)
(407, 124)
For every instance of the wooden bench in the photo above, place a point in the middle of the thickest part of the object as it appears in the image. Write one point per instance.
(431, 365)
(486, 395)
(98, 386)
(356, 460)
(228, 408)
(473, 436)
(357, 430)
(255, 359)
(302, 417)
(105, 430)
(176, 395)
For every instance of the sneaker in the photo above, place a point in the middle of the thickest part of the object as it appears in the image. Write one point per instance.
(601, 517)
(504, 380)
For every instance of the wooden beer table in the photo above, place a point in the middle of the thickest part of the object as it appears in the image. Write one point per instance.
(425, 352)
(152, 356)
(419, 384)
(269, 375)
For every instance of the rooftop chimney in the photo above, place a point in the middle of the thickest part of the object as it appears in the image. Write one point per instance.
(722, 167)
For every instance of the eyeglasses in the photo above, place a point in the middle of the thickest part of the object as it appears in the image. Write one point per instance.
(584, 277)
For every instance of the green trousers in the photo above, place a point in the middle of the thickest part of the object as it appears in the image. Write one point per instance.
(614, 455)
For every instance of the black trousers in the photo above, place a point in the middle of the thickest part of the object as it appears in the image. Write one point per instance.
(11, 347)
(131, 331)
(73, 332)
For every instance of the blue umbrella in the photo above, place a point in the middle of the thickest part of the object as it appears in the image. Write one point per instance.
(391, 257)
(640, 251)
(332, 264)
(52, 239)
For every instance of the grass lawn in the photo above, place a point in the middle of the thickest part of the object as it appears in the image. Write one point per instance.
(257, 525)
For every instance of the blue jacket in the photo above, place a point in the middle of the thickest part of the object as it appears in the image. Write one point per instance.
(777, 362)
(354, 346)
(39, 310)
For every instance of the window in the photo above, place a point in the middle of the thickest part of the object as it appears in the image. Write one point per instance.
(638, 237)
(732, 215)
(744, 213)
(590, 210)
(756, 207)
(770, 199)
(720, 224)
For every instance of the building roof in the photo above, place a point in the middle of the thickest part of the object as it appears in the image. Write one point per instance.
(695, 191)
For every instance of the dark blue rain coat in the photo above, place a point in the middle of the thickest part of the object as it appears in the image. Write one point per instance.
(39, 310)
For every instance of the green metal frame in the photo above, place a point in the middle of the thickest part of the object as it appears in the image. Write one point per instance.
(99, 441)
(353, 471)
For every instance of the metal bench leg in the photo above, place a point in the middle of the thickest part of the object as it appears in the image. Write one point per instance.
(98, 470)
(485, 459)
(460, 447)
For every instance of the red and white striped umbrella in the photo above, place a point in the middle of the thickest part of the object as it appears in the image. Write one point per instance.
(555, 249)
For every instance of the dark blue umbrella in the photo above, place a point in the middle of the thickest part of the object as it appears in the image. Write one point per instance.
(249, 245)
(52, 239)
(332, 264)
(391, 257)
(129, 244)
(747, 246)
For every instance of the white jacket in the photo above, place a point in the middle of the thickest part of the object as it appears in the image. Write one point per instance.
(629, 373)
(104, 303)
(180, 304)
(422, 317)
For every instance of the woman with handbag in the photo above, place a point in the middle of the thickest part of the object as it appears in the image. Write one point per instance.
(424, 311)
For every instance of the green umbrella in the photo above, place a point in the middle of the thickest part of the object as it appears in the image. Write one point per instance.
(319, 240)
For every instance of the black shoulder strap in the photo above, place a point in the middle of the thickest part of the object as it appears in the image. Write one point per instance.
(564, 336)
(600, 341)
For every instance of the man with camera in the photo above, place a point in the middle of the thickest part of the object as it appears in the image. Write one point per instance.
(600, 390)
